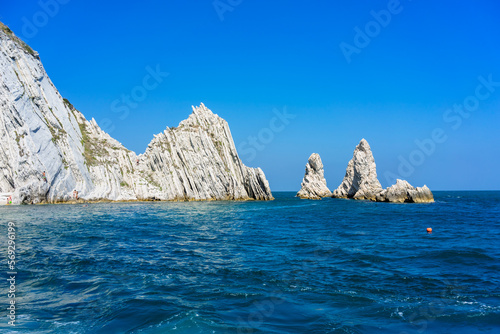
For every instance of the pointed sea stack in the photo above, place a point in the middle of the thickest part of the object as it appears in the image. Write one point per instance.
(360, 180)
(314, 183)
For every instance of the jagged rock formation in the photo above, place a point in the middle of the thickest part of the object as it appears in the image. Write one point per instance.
(403, 192)
(42, 132)
(360, 180)
(314, 183)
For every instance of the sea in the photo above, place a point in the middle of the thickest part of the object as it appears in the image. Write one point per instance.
(282, 266)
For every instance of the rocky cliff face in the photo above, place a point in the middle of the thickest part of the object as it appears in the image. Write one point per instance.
(360, 182)
(42, 132)
(314, 183)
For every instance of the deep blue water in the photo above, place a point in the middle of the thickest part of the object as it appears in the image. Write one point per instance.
(285, 266)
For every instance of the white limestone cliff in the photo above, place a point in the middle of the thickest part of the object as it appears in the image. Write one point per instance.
(42, 132)
(314, 184)
(360, 180)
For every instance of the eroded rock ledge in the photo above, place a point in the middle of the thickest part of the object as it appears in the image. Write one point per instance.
(403, 192)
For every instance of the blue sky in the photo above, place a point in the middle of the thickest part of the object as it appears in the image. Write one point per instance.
(395, 73)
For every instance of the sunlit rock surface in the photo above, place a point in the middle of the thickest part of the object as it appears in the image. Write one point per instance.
(42, 132)
(360, 182)
(314, 183)
(403, 192)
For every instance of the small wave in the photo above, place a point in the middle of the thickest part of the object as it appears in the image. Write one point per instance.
(454, 255)
(190, 322)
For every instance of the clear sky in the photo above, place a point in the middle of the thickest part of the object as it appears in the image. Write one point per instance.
(420, 80)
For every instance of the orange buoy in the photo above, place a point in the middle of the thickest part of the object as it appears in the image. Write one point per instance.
(429, 230)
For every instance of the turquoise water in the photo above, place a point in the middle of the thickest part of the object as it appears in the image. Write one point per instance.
(286, 266)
